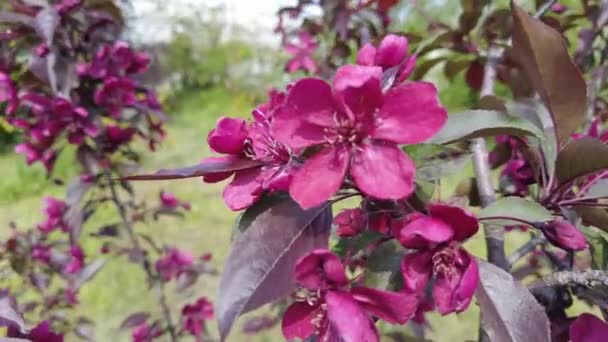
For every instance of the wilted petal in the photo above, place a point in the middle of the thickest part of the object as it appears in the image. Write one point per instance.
(565, 235)
(417, 270)
(366, 55)
(463, 223)
(299, 123)
(383, 171)
(228, 136)
(392, 51)
(320, 177)
(411, 114)
(348, 318)
(320, 269)
(453, 292)
(588, 328)
(244, 190)
(423, 232)
(393, 307)
(297, 321)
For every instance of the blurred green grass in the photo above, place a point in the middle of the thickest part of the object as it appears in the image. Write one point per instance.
(117, 290)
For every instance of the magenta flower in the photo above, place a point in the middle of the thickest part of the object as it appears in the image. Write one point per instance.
(350, 222)
(392, 52)
(145, 333)
(564, 235)
(115, 94)
(168, 200)
(116, 60)
(8, 92)
(54, 210)
(437, 239)
(43, 332)
(334, 311)
(588, 328)
(517, 175)
(302, 54)
(41, 253)
(33, 154)
(76, 261)
(270, 169)
(356, 129)
(115, 136)
(195, 315)
(174, 263)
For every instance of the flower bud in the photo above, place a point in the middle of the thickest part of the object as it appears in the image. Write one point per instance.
(565, 235)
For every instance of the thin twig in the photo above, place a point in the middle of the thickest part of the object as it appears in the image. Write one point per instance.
(145, 262)
(587, 278)
(525, 249)
(506, 218)
(544, 8)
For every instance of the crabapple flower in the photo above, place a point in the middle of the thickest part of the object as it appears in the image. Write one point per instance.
(350, 222)
(76, 261)
(115, 94)
(333, 310)
(168, 200)
(437, 239)
(145, 333)
(195, 315)
(41, 253)
(43, 332)
(517, 176)
(392, 52)
(356, 129)
(54, 210)
(116, 60)
(564, 235)
(301, 54)
(588, 328)
(8, 92)
(174, 263)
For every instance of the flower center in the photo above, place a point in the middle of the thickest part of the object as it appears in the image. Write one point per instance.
(446, 259)
(345, 131)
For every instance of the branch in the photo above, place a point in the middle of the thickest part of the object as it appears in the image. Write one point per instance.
(525, 249)
(587, 278)
(544, 8)
(145, 262)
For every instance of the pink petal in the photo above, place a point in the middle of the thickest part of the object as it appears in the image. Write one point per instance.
(392, 307)
(348, 318)
(392, 51)
(244, 190)
(588, 328)
(463, 222)
(320, 269)
(320, 177)
(297, 321)
(358, 90)
(299, 123)
(424, 232)
(228, 136)
(366, 55)
(407, 69)
(219, 176)
(453, 293)
(565, 235)
(411, 114)
(417, 269)
(383, 171)
(293, 64)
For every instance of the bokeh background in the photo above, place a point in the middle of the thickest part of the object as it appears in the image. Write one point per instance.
(211, 58)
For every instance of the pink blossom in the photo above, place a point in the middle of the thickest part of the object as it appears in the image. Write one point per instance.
(76, 261)
(588, 328)
(43, 332)
(169, 200)
(302, 54)
(41, 253)
(115, 94)
(392, 52)
(145, 333)
(334, 310)
(437, 239)
(115, 136)
(559, 8)
(356, 129)
(54, 210)
(174, 263)
(350, 222)
(564, 234)
(195, 315)
(116, 60)
(8, 92)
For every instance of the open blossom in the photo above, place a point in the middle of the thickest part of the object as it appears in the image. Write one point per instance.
(174, 263)
(437, 239)
(54, 210)
(115, 94)
(356, 129)
(392, 52)
(195, 315)
(301, 54)
(564, 234)
(333, 310)
(588, 328)
(43, 332)
(116, 60)
(252, 144)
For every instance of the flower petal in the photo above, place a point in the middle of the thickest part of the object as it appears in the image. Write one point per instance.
(320, 177)
(463, 223)
(299, 123)
(244, 190)
(393, 307)
(348, 318)
(453, 293)
(392, 51)
(588, 328)
(417, 270)
(228, 136)
(411, 114)
(366, 55)
(565, 235)
(297, 321)
(423, 232)
(358, 90)
(320, 269)
(383, 171)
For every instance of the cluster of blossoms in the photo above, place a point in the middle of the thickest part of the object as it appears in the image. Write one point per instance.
(517, 174)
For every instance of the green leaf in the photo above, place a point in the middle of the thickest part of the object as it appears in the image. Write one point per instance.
(384, 265)
(356, 243)
(542, 53)
(581, 158)
(598, 190)
(599, 247)
(434, 161)
(483, 123)
(517, 208)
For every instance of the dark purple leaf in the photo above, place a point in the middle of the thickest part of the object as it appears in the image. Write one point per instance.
(197, 170)
(9, 314)
(260, 266)
(10, 17)
(256, 324)
(543, 55)
(89, 272)
(593, 216)
(509, 312)
(580, 158)
(45, 23)
(134, 320)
